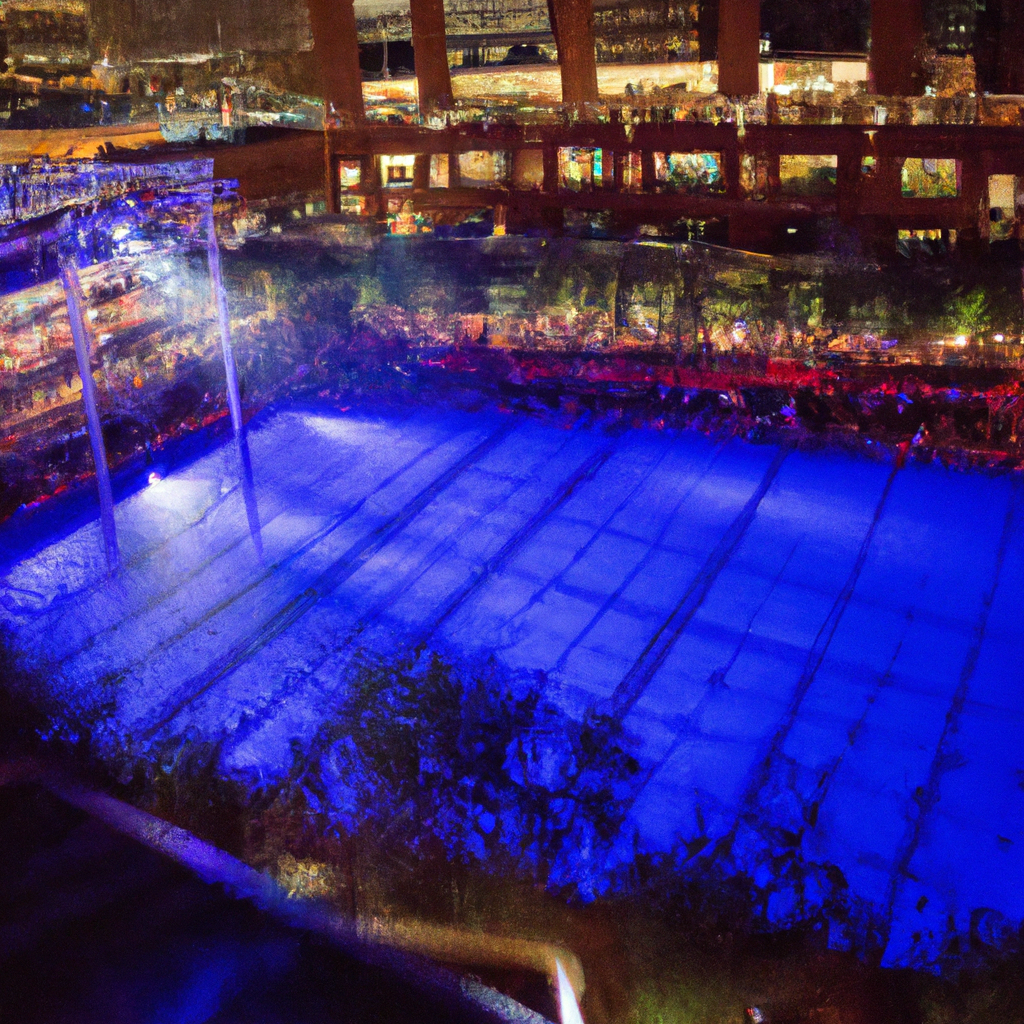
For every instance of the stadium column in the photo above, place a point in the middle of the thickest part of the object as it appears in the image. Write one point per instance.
(430, 53)
(739, 43)
(336, 48)
(897, 34)
(572, 24)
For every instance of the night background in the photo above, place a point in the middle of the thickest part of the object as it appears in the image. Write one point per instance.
(512, 511)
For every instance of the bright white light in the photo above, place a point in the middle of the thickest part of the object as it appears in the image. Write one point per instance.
(961, 340)
(342, 429)
(568, 1008)
(154, 478)
(998, 337)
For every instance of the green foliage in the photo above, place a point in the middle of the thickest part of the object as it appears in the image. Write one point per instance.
(423, 757)
(969, 313)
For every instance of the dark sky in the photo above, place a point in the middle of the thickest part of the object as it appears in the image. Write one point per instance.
(819, 25)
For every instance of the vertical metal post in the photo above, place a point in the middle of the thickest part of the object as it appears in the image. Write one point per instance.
(221, 301)
(252, 511)
(234, 398)
(80, 333)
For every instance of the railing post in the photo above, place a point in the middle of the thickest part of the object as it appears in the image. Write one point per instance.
(252, 511)
(80, 333)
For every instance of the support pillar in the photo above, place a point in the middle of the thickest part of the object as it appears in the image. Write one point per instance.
(707, 29)
(572, 23)
(336, 48)
(897, 33)
(999, 47)
(739, 47)
(430, 53)
(83, 352)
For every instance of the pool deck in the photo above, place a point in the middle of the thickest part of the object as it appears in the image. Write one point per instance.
(822, 656)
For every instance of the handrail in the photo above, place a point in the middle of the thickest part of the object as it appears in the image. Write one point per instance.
(452, 947)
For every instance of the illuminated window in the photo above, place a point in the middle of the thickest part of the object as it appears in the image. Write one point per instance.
(439, 170)
(631, 172)
(396, 171)
(1002, 206)
(754, 173)
(528, 169)
(808, 175)
(930, 179)
(350, 173)
(581, 168)
(690, 172)
(483, 168)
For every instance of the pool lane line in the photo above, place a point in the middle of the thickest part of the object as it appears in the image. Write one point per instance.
(256, 718)
(333, 576)
(435, 555)
(72, 606)
(815, 657)
(583, 475)
(598, 532)
(650, 660)
(924, 798)
(612, 599)
(267, 572)
(685, 725)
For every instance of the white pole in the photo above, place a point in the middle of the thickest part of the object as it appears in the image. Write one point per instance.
(80, 333)
(221, 301)
(234, 399)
